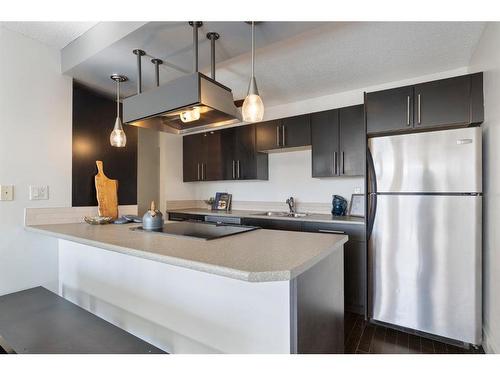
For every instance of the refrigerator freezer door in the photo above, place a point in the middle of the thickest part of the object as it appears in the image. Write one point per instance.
(446, 161)
(425, 271)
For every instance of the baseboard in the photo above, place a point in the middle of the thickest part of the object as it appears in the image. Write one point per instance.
(489, 345)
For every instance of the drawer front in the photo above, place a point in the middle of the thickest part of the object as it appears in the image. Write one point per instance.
(223, 219)
(274, 224)
(354, 231)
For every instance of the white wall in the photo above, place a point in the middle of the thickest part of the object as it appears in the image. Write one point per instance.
(35, 148)
(487, 58)
(289, 172)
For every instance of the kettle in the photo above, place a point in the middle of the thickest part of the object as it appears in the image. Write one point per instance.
(339, 205)
(152, 219)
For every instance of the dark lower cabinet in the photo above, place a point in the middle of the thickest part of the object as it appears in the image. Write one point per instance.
(273, 224)
(290, 132)
(444, 103)
(338, 142)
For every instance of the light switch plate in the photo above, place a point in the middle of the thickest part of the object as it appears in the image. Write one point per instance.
(357, 190)
(39, 192)
(6, 192)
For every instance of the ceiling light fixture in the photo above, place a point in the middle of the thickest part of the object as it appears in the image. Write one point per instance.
(118, 137)
(253, 107)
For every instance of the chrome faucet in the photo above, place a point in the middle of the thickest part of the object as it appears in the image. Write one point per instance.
(291, 204)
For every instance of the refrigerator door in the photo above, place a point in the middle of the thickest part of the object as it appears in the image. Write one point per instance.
(446, 161)
(425, 271)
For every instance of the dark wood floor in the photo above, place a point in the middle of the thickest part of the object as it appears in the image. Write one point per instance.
(364, 338)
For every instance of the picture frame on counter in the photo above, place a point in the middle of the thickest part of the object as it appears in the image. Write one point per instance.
(222, 202)
(357, 205)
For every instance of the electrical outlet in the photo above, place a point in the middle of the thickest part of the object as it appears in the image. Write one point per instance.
(6, 192)
(39, 192)
(357, 190)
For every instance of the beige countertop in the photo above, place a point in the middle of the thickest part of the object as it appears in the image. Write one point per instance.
(256, 256)
(318, 218)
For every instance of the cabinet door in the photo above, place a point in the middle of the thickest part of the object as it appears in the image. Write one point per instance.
(211, 155)
(389, 110)
(352, 141)
(443, 102)
(191, 145)
(245, 152)
(325, 143)
(268, 135)
(228, 151)
(296, 131)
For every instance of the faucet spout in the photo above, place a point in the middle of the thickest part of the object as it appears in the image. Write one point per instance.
(291, 204)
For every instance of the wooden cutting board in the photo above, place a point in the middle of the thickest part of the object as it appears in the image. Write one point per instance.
(107, 193)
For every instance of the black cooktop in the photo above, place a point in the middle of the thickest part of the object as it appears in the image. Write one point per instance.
(205, 231)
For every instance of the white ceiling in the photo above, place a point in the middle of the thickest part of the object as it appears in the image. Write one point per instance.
(54, 34)
(294, 60)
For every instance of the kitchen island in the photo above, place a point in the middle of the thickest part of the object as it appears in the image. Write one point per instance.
(262, 291)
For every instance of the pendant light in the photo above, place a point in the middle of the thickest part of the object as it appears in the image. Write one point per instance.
(118, 137)
(253, 107)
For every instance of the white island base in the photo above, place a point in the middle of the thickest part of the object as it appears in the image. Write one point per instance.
(181, 310)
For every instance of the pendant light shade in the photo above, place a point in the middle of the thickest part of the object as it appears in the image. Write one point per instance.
(118, 138)
(253, 106)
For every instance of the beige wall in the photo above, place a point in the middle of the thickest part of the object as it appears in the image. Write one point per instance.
(487, 58)
(35, 148)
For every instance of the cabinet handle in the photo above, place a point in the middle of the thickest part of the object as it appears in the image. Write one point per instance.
(278, 136)
(408, 110)
(418, 108)
(335, 162)
(234, 173)
(283, 143)
(331, 231)
(342, 162)
(198, 169)
(238, 168)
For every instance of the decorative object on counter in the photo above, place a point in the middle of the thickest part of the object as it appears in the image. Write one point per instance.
(125, 219)
(357, 205)
(210, 201)
(253, 107)
(107, 193)
(152, 219)
(222, 202)
(98, 220)
(339, 206)
(118, 137)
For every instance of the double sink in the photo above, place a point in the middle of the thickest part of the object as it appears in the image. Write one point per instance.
(281, 214)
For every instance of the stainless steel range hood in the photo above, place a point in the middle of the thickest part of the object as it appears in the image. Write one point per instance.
(162, 107)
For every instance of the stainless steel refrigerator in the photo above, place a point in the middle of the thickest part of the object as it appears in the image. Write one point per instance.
(424, 228)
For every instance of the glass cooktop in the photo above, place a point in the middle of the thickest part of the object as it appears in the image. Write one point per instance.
(200, 230)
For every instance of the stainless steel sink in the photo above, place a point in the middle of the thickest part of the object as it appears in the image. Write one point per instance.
(281, 214)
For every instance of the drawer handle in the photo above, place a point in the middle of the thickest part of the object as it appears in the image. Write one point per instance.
(331, 231)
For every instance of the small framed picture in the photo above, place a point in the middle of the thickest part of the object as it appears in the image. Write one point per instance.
(357, 205)
(222, 202)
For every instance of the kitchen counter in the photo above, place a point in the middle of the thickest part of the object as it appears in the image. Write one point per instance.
(256, 256)
(318, 218)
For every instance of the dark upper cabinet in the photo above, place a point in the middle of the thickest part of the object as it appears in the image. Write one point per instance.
(228, 154)
(338, 142)
(444, 102)
(202, 157)
(325, 143)
(450, 102)
(389, 110)
(268, 135)
(296, 131)
(352, 157)
(285, 133)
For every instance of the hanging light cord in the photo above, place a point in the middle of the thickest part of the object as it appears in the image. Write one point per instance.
(118, 98)
(253, 49)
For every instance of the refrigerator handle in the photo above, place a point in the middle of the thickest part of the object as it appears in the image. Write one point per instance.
(372, 194)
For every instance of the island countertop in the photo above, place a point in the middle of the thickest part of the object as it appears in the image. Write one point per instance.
(256, 256)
